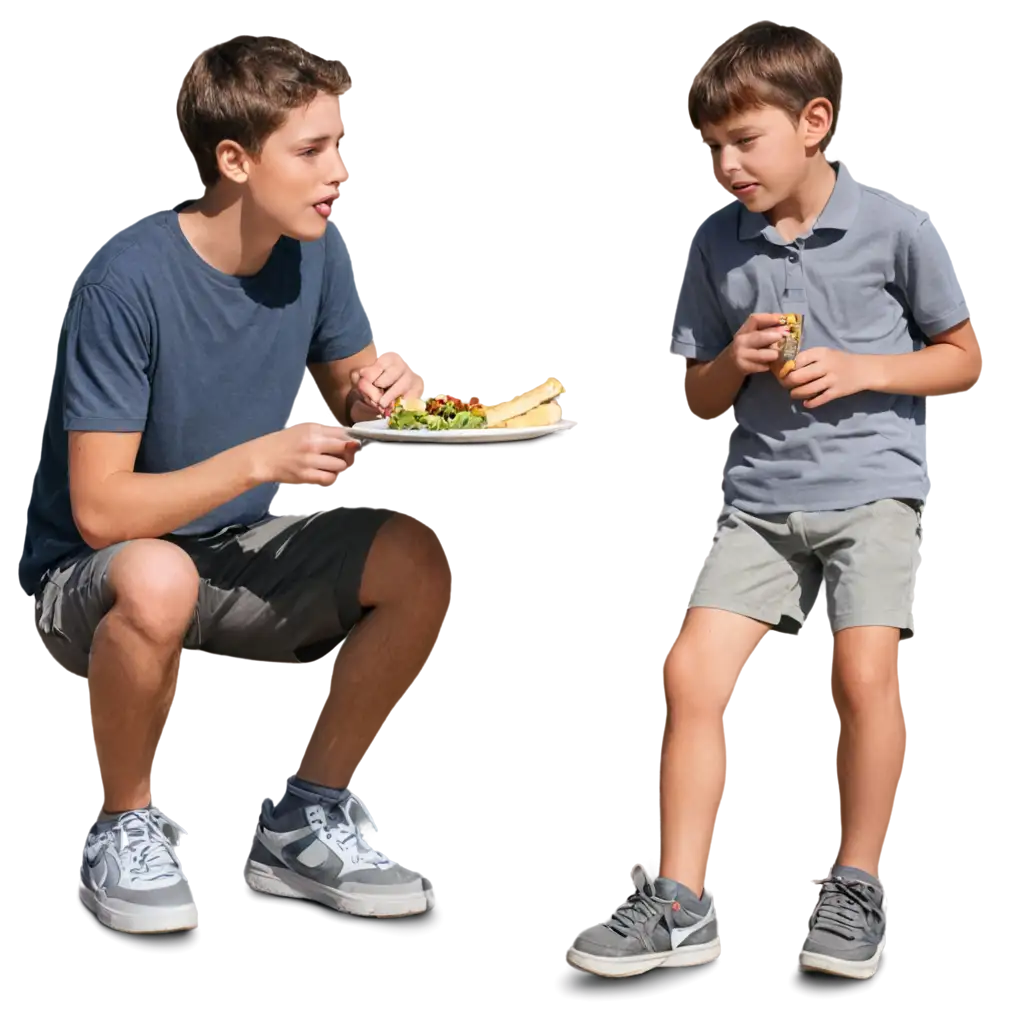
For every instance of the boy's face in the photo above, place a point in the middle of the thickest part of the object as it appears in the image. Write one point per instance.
(760, 155)
(296, 176)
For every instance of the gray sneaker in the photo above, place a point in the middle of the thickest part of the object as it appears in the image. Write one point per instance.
(318, 852)
(663, 924)
(131, 879)
(848, 925)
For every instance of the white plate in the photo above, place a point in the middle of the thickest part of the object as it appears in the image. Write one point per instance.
(378, 430)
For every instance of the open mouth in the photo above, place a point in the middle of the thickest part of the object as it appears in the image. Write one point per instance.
(323, 207)
(744, 188)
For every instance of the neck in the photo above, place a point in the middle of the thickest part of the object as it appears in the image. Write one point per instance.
(227, 232)
(795, 215)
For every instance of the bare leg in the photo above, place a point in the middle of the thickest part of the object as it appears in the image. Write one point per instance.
(700, 674)
(133, 665)
(872, 739)
(407, 584)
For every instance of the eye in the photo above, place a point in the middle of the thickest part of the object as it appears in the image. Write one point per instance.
(747, 141)
(308, 152)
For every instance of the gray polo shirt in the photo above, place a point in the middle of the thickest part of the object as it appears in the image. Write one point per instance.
(872, 275)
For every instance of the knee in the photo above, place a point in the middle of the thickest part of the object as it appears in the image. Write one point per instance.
(155, 588)
(689, 689)
(859, 689)
(407, 562)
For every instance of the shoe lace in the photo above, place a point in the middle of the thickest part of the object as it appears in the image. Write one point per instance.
(147, 837)
(843, 905)
(346, 818)
(636, 912)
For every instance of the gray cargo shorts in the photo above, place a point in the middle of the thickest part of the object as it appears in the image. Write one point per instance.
(771, 567)
(285, 589)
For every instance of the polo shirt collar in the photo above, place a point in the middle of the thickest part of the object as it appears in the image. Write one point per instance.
(838, 215)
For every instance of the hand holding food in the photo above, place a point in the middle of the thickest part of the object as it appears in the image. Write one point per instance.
(380, 384)
(755, 346)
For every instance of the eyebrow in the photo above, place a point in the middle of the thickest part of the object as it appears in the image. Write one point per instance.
(745, 129)
(317, 140)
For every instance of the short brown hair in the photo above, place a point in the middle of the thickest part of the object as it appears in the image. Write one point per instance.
(766, 65)
(243, 89)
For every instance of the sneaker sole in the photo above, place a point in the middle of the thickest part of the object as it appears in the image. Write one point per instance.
(274, 881)
(628, 966)
(137, 919)
(859, 969)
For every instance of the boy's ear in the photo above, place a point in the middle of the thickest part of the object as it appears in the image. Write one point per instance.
(232, 161)
(816, 120)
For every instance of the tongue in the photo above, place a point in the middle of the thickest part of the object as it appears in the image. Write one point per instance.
(324, 209)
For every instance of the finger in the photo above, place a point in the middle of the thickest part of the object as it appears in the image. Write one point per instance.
(815, 387)
(328, 464)
(326, 430)
(399, 388)
(759, 321)
(415, 389)
(767, 337)
(809, 355)
(369, 392)
(766, 356)
(803, 375)
(822, 399)
(335, 446)
(390, 376)
(319, 476)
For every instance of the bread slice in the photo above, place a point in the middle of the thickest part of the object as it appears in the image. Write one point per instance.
(542, 416)
(497, 415)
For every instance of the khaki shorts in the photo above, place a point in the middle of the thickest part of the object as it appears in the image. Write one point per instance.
(285, 589)
(771, 567)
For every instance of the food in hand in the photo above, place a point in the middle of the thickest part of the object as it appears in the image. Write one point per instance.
(789, 346)
(536, 408)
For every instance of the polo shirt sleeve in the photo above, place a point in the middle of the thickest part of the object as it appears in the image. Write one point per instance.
(342, 327)
(925, 276)
(107, 360)
(700, 330)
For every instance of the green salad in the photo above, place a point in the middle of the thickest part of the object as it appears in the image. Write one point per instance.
(441, 413)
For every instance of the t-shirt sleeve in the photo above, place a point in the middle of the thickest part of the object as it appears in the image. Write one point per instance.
(925, 275)
(700, 330)
(107, 361)
(342, 327)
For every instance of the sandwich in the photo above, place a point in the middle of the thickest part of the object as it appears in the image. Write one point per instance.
(789, 346)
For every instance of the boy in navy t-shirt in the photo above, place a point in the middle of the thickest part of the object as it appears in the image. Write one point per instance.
(179, 361)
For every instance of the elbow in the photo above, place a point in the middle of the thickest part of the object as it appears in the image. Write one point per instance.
(94, 528)
(975, 371)
(702, 413)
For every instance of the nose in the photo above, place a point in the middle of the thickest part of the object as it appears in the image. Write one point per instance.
(727, 160)
(339, 172)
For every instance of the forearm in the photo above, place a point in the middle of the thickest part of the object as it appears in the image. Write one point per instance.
(937, 369)
(133, 505)
(711, 387)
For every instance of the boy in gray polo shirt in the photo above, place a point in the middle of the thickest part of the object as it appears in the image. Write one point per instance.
(825, 480)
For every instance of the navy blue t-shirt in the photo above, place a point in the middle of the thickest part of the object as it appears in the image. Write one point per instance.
(156, 340)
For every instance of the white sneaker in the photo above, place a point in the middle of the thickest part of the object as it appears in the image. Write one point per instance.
(131, 879)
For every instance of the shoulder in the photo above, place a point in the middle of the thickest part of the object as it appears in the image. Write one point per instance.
(720, 229)
(131, 260)
(895, 214)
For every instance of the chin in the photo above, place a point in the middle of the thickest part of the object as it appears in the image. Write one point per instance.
(306, 230)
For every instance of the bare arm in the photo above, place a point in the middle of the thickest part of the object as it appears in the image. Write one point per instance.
(364, 386)
(111, 502)
(950, 363)
(712, 387)
(334, 381)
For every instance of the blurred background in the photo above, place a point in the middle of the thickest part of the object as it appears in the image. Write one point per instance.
(520, 185)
